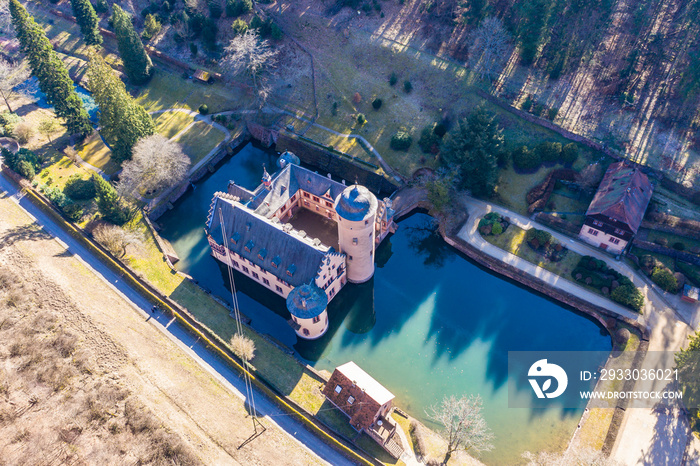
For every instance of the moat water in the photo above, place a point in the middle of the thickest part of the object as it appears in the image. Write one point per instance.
(430, 323)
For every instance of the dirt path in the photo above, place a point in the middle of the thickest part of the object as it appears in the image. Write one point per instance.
(191, 402)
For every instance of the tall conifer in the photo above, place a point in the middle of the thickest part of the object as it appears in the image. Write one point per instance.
(52, 74)
(137, 64)
(87, 19)
(122, 120)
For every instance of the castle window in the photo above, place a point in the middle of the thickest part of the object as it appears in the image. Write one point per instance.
(306, 331)
(338, 389)
(276, 261)
(279, 290)
(245, 269)
(370, 234)
(283, 189)
(351, 400)
(306, 203)
(249, 245)
(317, 209)
(592, 232)
(332, 293)
(307, 195)
(262, 254)
(235, 264)
(284, 207)
(248, 225)
(349, 258)
(255, 276)
(354, 241)
(315, 199)
(316, 319)
(366, 221)
(294, 198)
(266, 281)
(329, 204)
(290, 271)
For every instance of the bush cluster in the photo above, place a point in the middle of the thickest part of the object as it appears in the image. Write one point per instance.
(24, 162)
(401, 140)
(267, 28)
(238, 7)
(79, 189)
(596, 273)
(70, 209)
(377, 103)
(8, 121)
(527, 159)
(665, 279)
(431, 137)
(492, 224)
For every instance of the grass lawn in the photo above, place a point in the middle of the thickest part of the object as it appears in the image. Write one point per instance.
(672, 239)
(94, 151)
(169, 124)
(668, 261)
(513, 241)
(169, 90)
(199, 140)
(404, 424)
(59, 171)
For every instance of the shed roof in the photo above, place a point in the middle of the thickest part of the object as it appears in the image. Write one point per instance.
(623, 195)
(362, 379)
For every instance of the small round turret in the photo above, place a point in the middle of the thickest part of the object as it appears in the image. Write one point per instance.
(286, 158)
(356, 207)
(307, 305)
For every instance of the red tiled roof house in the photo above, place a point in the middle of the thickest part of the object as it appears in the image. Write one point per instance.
(617, 209)
(366, 402)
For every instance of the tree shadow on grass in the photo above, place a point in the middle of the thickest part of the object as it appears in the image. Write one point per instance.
(30, 232)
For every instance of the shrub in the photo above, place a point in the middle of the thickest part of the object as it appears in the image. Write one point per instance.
(238, 7)
(151, 27)
(56, 196)
(440, 129)
(377, 103)
(239, 27)
(73, 211)
(429, 141)
(549, 151)
(490, 219)
(538, 238)
(552, 113)
(569, 153)
(665, 279)
(393, 79)
(24, 162)
(23, 132)
(401, 140)
(25, 169)
(497, 229)
(215, 9)
(678, 246)
(101, 6)
(525, 159)
(628, 295)
(407, 86)
(79, 189)
(204, 109)
(527, 104)
(361, 120)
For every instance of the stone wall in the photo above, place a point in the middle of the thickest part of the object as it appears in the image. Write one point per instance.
(328, 162)
(653, 247)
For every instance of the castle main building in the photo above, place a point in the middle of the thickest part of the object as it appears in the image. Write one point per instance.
(265, 246)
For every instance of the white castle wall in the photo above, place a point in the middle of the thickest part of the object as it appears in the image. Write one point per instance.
(312, 328)
(356, 241)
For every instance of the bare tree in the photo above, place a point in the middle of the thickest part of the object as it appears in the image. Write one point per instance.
(243, 347)
(465, 427)
(49, 126)
(11, 74)
(252, 55)
(156, 163)
(490, 48)
(115, 239)
(571, 457)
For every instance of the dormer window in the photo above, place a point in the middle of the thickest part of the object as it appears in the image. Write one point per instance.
(249, 246)
(248, 225)
(236, 238)
(262, 254)
(276, 261)
(290, 271)
(283, 189)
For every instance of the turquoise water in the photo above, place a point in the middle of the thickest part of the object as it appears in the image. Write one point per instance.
(430, 323)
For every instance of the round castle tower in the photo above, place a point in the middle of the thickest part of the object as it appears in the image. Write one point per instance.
(307, 305)
(356, 207)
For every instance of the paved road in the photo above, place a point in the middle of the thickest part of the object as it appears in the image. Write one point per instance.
(189, 344)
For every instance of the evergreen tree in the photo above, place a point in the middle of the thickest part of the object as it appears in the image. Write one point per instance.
(87, 19)
(53, 77)
(473, 149)
(108, 202)
(137, 64)
(123, 121)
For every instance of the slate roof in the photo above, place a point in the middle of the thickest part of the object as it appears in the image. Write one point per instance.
(264, 242)
(287, 182)
(307, 301)
(623, 195)
(356, 203)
